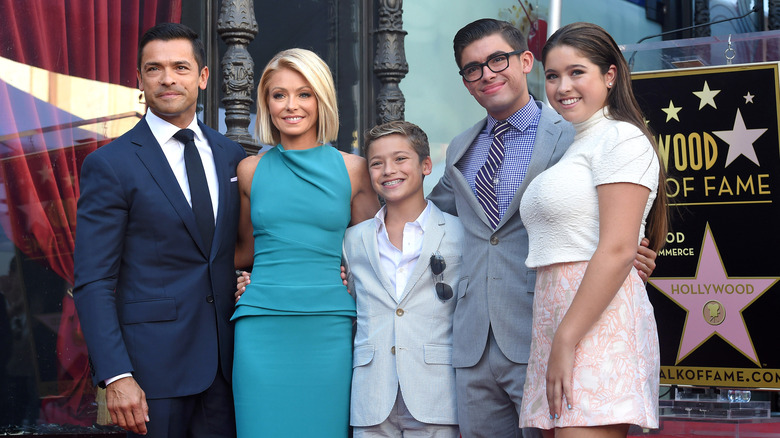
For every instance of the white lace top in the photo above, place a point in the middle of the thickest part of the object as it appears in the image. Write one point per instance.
(560, 206)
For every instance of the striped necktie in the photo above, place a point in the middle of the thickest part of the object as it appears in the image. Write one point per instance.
(485, 180)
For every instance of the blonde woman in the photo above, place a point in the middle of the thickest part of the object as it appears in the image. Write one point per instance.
(293, 347)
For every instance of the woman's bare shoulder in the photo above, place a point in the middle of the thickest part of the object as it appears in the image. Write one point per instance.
(353, 162)
(247, 166)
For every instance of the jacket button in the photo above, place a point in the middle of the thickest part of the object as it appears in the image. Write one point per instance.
(210, 299)
(399, 312)
(392, 349)
(493, 240)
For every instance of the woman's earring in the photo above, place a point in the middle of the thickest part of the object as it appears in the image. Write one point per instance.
(609, 85)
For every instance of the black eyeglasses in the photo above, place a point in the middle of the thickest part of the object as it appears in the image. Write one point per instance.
(443, 290)
(496, 63)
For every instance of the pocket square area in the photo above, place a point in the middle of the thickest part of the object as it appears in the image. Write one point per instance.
(234, 179)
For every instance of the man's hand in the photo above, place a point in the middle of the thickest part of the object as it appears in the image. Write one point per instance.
(645, 260)
(126, 403)
(241, 283)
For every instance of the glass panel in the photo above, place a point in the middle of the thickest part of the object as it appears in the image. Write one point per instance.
(727, 9)
(67, 87)
(707, 51)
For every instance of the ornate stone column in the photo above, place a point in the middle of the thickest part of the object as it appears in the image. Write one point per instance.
(390, 61)
(701, 15)
(237, 27)
(774, 14)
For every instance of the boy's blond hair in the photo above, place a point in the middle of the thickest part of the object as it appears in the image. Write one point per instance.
(416, 136)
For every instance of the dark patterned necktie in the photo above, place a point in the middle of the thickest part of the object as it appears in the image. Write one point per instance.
(199, 188)
(485, 180)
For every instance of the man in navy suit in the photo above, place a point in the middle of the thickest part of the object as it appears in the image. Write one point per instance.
(153, 290)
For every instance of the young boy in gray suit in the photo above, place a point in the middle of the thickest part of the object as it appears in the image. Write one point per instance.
(403, 267)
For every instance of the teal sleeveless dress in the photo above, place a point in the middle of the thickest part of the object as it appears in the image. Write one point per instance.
(293, 326)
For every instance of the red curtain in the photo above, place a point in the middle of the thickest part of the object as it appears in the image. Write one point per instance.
(92, 39)
(42, 147)
(41, 152)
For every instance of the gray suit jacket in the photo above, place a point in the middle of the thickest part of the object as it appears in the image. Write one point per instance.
(406, 341)
(500, 290)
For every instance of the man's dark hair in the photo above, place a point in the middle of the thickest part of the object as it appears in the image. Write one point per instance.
(173, 31)
(479, 29)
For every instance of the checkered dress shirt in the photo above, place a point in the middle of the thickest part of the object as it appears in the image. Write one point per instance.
(518, 145)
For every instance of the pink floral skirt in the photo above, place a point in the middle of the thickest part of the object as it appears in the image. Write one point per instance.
(616, 364)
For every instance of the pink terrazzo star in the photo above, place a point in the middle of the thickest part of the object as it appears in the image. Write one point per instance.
(711, 283)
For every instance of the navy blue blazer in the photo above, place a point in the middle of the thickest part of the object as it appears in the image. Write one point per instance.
(150, 300)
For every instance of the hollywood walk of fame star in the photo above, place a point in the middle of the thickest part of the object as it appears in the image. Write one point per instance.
(671, 111)
(748, 97)
(711, 282)
(740, 140)
(707, 96)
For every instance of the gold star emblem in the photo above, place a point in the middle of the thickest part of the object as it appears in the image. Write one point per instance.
(671, 111)
(707, 96)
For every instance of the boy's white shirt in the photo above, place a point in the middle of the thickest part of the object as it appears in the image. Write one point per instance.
(398, 264)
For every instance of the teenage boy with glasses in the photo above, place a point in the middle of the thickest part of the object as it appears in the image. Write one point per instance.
(492, 323)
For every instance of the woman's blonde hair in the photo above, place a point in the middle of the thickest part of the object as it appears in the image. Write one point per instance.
(318, 75)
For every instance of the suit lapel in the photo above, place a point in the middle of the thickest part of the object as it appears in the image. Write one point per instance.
(459, 181)
(459, 149)
(434, 233)
(547, 140)
(151, 155)
(372, 249)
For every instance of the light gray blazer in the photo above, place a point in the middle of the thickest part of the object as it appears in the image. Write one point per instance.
(406, 341)
(500, 289)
